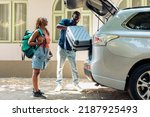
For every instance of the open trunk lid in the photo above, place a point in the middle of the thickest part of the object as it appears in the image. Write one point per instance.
(101, 7)
(73, 4)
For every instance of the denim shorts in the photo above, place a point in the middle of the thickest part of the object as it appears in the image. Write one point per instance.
(40, 58)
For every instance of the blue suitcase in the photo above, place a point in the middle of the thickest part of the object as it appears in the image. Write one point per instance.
(78, 38)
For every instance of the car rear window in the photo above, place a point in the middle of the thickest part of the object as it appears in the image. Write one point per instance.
(140, 21)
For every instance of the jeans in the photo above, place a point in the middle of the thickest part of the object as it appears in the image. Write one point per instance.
(40, 58)
(62, 54)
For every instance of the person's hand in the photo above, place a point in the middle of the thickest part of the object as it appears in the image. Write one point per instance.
(41, 40)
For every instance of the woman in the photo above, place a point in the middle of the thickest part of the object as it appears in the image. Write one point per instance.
(41, 55)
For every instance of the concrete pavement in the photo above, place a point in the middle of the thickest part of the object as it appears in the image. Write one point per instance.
(21, 89)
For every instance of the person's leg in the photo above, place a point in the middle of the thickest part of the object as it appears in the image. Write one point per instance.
(37, 66)
(35, 82)
(61, 57)
(35, 77)
(72, 60)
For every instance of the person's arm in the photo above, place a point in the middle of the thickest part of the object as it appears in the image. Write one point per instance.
(61, 27)
(32, 41)
(62, 24)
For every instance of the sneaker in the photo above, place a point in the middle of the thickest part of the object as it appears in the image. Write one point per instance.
(39, 94)
(58, 88)
(77, 87)
(39, 91)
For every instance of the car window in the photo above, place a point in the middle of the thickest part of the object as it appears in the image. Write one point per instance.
(140, 21)
(101, 7)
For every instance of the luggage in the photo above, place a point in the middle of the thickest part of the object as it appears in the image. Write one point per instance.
(78, 38)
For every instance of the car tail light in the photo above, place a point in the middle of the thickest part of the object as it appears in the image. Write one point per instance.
(103, 39)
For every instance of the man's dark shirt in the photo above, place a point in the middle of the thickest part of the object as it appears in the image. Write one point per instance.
(63, 42)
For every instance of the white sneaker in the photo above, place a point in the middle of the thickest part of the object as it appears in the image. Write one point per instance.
(77, 87)
(58, 88)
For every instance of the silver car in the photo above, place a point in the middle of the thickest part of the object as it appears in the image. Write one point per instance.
(120, 53)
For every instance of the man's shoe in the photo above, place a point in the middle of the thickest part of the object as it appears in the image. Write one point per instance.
(77, 87)
(58, 88)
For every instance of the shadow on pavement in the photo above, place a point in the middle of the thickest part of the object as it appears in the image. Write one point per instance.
(21, 89)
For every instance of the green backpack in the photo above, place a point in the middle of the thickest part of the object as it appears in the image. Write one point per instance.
(28, 50)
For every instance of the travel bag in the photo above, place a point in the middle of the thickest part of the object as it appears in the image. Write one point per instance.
(78, 38)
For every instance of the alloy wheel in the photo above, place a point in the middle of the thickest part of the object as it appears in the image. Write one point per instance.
(143, 86)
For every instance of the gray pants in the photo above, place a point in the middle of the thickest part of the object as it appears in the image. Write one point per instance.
(62, 54)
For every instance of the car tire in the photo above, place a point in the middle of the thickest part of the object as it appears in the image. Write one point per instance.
(139, 83)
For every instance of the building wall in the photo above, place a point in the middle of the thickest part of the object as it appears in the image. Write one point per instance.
(11, 64)
(23, 69)
(10, 57)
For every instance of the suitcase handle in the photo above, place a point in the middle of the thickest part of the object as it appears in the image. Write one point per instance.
(76, 42)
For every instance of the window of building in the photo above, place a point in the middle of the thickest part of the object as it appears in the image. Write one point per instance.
(134, 3)
(5, 27)
(148, 2)
(13, 17)
(123, 4)
(60, 12)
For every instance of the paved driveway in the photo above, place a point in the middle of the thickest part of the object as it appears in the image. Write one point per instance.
(21, 89)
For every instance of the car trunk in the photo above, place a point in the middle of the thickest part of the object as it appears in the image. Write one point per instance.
(102, 8)
(73, 4)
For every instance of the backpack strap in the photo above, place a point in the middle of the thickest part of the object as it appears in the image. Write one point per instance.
(41, 32)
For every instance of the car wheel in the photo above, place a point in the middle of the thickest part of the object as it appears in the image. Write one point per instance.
(139, 83)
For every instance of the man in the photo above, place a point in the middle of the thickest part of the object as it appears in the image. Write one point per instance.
(65, 51)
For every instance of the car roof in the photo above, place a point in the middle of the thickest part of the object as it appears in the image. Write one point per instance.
(133, 10)
(137, 8)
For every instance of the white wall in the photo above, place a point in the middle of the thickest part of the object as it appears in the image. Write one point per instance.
(10, 53)
(38, 8)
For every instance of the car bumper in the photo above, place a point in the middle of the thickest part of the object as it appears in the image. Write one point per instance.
(101, 80)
